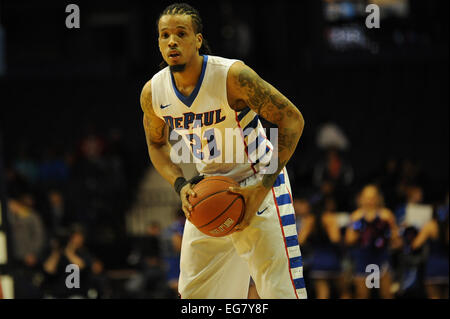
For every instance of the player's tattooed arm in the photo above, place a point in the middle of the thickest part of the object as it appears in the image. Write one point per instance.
(246, 88)
(156, 134)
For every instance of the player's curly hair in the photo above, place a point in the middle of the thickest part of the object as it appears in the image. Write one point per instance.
(184, 8)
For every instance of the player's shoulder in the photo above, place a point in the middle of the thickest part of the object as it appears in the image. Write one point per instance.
(231, 65)
(161, 74)
(146, 91)
(147, 88)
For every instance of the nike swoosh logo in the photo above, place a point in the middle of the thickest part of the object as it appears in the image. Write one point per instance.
(259, 213)
(164, 106)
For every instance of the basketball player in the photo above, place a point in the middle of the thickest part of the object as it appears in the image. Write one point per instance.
(198, 96)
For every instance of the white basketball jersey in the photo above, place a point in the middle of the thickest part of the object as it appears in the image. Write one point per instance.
(221, 140)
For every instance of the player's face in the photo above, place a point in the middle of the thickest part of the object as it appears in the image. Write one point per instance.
(178, 41)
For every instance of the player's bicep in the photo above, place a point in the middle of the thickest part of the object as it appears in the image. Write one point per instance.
(247, 88)
(155, 128)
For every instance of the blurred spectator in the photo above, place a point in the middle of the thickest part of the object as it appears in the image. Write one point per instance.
(98, 183)
(318, 199)
(324, 243)
(304, 222)
(53, 170)
(237, 34)
(414, 195)
(26, 165)
(335, 170)
(150, 281)
(172, 238)
(330, 135)
(407, 261)
(90, 183)
(17, 184)
(56, 217)
(387, 180)
(410, 174)
(92, 145)
(28, 240)
(371, 231)
(435, 234)
(74, 252)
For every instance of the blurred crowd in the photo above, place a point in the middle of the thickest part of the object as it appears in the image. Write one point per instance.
(406, 247)
(64, 206)
(59, 198)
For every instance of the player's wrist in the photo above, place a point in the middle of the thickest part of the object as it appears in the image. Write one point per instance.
(180, 182)
(261, 188)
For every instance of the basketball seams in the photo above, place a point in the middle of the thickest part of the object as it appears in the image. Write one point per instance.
(224, 211)
(209, 195)
(214, 178)
(232, 182)
(241, 217)
(212, 188)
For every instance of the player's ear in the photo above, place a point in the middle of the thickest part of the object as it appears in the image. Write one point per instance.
(199, 38)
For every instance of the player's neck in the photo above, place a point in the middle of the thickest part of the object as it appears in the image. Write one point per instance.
(191, 74)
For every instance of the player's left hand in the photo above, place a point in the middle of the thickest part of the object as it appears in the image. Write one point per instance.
(253, 197)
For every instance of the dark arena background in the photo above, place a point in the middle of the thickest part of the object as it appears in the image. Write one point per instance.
(77, 185)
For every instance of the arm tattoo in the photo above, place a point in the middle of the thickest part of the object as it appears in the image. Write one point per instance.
(258, 92)
(155, 129)
(275, 108)
(154, 133)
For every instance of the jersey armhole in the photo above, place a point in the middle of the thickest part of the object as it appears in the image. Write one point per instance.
(226, 81)
(154, 98)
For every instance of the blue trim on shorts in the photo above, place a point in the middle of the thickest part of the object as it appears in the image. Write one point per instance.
(299, 283)
(284, 199)
(296, 262)
(288, 219)
(292, 241)
(279, 181)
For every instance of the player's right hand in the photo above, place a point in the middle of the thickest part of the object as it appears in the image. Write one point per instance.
(185, 192)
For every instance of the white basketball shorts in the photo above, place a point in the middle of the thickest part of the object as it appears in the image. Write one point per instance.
(267, 250)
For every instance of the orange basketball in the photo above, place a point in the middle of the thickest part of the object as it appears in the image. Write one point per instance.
(215, 211)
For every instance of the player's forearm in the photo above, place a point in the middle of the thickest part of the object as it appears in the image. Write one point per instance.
(160, 158)
(252, 91)
(159, 150)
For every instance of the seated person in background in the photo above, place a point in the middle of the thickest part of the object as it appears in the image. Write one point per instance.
(324, 241)
(28, 242)
(371, 231)
(61, 255)
(150, 280)
(435, 234)
(172, 237)
(335, 170)
(414, 195)
(407, 262)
